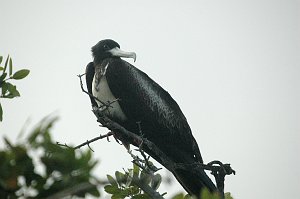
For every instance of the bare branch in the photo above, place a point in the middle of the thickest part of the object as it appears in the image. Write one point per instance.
(104, 104)
(87, 142)
(83, 90)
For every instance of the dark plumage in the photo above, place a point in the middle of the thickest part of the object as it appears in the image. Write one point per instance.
(142, 100)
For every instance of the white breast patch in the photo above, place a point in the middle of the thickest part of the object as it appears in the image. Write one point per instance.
(104, 94)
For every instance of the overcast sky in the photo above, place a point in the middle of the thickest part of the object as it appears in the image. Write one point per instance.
(232, 66)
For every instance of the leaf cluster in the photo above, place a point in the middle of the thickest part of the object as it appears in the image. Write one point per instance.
(63, 168)
(9, 90)
(134, 183)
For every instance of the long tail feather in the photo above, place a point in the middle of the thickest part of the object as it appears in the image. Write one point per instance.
(194, 181)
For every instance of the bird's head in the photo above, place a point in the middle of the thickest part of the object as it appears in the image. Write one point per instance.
(109, 48)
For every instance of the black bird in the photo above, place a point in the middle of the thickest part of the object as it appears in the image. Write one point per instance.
(135, 97)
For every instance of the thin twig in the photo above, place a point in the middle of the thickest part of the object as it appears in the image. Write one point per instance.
(93, 140)
(83, 90)
(106, 105)
(87, 142)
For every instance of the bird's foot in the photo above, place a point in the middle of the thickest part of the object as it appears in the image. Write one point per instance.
(225, 169)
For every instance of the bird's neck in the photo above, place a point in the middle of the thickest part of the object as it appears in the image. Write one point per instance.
(101, 61)
(97, 61)
(101, 66)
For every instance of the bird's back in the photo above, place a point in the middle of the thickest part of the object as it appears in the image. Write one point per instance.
(145, 101)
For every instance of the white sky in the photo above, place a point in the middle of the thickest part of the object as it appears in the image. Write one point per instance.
(232, 66)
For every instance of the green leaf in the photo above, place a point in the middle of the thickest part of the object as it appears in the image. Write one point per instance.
(20, 74)
(178, 196)
(187, 196)
(123, 194)
(95, 192)
(1, 68)
(1, 58)
(141, 196)
(112, 181)
(206, 194)
(134, 190)
(12, 89)
(2, 77)
(136, 171)
(118, 196)
(112, 189)
(121, 178)
(145, 177)
(10, 66)
(4, 88)
(156, 180)
(1, 113)
(5, 66)
(228, 196)
(129, 178)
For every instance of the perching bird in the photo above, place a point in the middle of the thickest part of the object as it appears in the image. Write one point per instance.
(134, 97)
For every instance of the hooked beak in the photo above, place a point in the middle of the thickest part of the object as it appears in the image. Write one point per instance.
(120, 53)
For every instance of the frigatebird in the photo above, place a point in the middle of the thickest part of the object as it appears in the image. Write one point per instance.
(133, 97)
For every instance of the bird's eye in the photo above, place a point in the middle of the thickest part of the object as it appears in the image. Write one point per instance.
(105, 47)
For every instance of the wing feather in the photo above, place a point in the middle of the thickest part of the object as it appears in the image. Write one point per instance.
(89, 75)
(145, 93)
(145, 101)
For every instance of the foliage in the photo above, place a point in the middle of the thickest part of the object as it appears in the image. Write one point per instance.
(131, 183)
(9, 90)
(39, 168)
(63, 171)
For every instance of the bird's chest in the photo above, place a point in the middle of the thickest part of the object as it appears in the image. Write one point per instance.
(109, 103)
